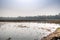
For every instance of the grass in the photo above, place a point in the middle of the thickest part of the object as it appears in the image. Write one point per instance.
(58, 29)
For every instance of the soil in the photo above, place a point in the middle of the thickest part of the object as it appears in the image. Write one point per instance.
(53, 36)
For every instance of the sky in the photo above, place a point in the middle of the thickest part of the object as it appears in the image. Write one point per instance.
(15, 8)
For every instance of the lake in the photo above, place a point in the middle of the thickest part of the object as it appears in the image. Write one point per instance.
(26, 30)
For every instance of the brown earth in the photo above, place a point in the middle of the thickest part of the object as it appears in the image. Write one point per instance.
(46, 21)
(53, 36)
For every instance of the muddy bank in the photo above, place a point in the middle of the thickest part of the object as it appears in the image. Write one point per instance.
(53, 36)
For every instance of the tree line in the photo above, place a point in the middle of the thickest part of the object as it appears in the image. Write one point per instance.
(32, 18)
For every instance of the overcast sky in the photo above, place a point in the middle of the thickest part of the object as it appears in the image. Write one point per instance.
(14, 8)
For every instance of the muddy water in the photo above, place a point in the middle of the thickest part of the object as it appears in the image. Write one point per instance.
(25, 30)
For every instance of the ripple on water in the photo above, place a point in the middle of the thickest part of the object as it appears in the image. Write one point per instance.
(26, 30)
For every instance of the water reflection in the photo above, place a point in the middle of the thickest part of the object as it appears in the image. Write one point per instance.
(26, 30)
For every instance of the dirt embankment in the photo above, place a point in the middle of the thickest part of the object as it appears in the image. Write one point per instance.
(46, 21)
(53, 36)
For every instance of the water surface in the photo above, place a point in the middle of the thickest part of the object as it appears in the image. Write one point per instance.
(26, 30)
